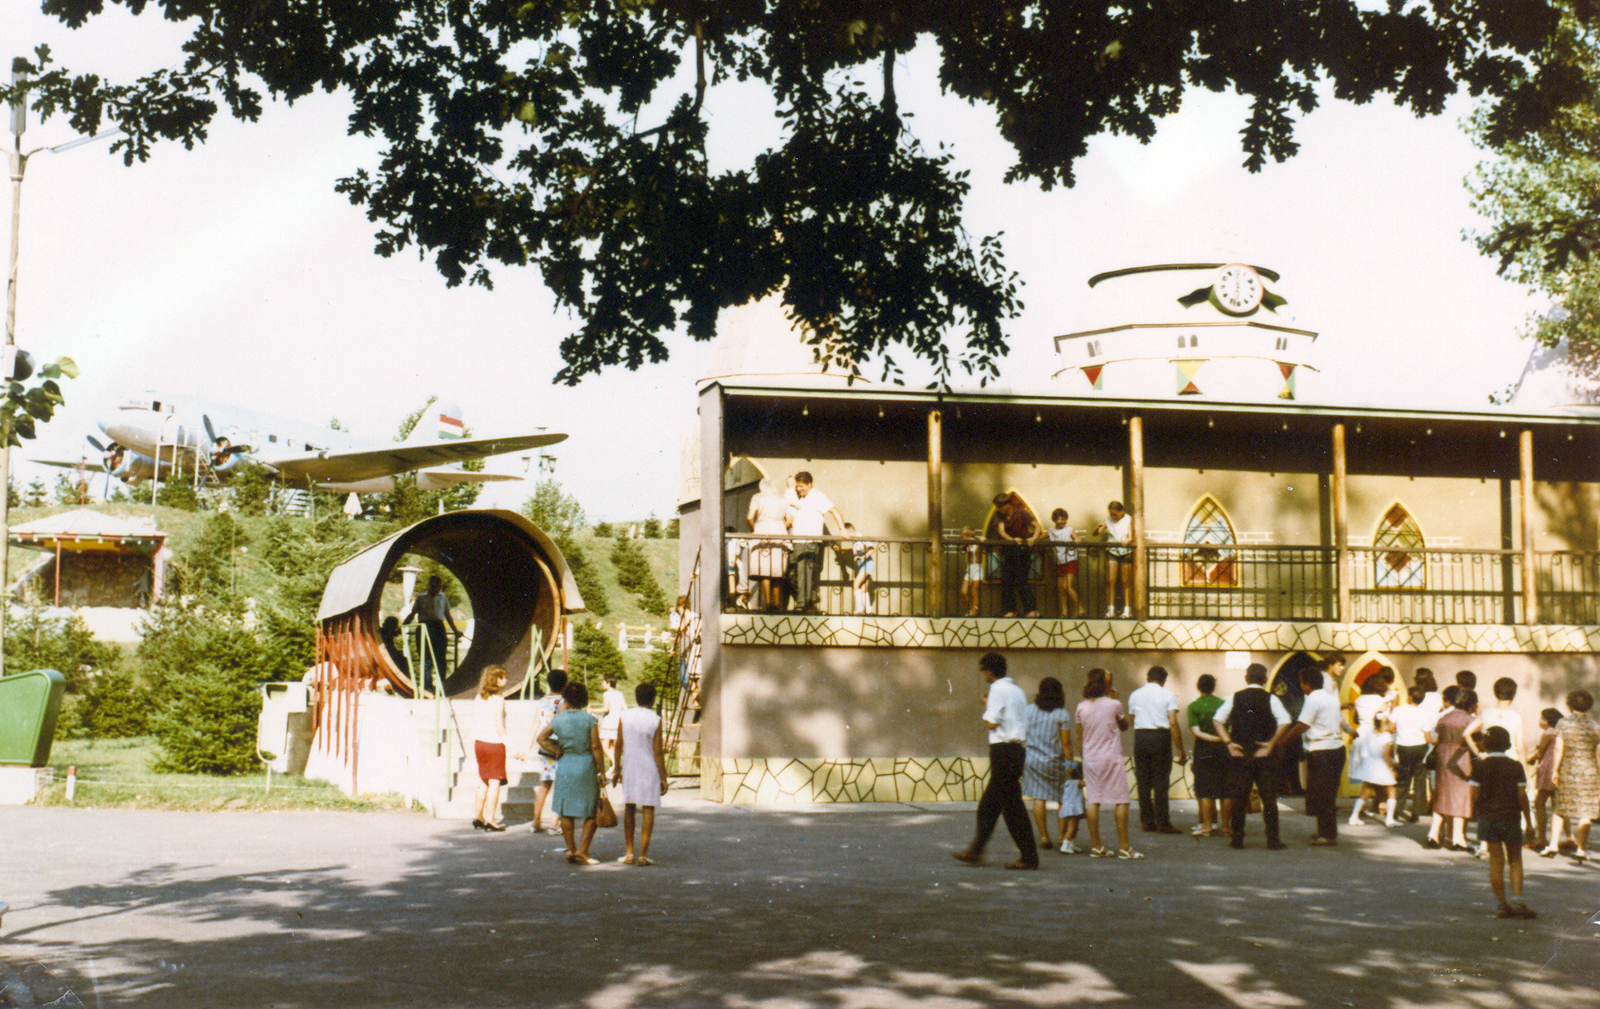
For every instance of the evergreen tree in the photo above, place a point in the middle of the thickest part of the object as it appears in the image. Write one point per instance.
(652, 527)
(113, 707)
(35, 640)
(594, 656)
(203, 666)
(560, 516)
(634, 574)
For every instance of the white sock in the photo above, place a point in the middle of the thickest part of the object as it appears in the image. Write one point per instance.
(1388, 812)
(1355, 814)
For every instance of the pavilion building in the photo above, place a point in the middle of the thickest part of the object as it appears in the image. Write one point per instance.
(1269, 527)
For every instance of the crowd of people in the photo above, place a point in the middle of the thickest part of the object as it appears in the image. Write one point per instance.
(1424, 752)
(572, 750)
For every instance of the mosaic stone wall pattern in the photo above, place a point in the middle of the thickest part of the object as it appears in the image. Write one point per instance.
(1159, 635)
(897, 779)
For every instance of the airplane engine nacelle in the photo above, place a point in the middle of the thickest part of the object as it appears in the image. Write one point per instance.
(135, 468)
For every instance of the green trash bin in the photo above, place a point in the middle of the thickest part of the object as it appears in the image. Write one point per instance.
(29, 705)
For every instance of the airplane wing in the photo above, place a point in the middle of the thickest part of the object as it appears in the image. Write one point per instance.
(93, 467)
(368, 464)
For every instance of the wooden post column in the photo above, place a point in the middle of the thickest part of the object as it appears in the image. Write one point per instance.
(936, 601)
(1530, 600)
(1341, 526)
(1141, 580)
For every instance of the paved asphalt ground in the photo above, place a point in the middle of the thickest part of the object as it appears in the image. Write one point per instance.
(797, 908)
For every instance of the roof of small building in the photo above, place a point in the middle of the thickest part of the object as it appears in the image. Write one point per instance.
(84, 529)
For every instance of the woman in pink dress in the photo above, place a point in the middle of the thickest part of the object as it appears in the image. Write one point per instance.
(1101, 723)
(1452, 796)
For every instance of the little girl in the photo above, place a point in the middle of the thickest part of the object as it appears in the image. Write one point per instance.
(1071, 812)
(1544, 758)
(865, 556)
(972, 578)
(1375, 760)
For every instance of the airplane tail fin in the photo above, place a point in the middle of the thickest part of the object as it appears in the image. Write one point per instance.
(441, 422)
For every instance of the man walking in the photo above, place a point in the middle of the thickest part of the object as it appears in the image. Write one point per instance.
(809, 511)
(1253, 722)
(1320, 722)
(1004, 715)
(432, 608)
(1155, 736)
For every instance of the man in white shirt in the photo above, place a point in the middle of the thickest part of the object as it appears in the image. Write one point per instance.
(1253, 722)
(1005, 715)
(1156, 735)
(809, 512)
(1322, 722)
(432, 608)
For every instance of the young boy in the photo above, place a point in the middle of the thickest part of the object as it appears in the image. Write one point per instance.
(1066, 563)
(1500, 795)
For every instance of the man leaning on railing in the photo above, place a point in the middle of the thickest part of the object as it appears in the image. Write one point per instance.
(809, 510)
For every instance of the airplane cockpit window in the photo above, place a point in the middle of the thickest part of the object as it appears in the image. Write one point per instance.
(272, 438)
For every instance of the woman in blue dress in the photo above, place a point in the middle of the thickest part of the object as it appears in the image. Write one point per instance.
(573, 736)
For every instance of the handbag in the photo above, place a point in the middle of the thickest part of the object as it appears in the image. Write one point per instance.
(604, 814)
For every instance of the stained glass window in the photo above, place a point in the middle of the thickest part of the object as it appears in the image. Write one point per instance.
(1398, 547)
(1208, 529)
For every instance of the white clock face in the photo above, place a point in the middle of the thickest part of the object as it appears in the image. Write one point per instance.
(1238, 289)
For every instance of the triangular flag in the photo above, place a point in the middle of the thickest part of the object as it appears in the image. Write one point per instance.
(1186, 373)
(1092, 373)
(1287, 392)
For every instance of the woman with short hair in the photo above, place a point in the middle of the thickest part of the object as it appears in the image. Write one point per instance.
(1101, 722)
(573, 736)
(1049, 746)
(1577, 777)
(1452, 797)
(641, 771)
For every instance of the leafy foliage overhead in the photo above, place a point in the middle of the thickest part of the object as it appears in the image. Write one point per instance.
(1541, 197)
(571, 135)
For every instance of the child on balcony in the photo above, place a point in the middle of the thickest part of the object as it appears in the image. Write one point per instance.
(864, 555)
(972, 575)
(1066, 563)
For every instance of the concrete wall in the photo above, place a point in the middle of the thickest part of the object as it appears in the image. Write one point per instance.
(853, 703)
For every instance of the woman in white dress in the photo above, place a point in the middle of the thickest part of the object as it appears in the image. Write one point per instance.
(641, 770)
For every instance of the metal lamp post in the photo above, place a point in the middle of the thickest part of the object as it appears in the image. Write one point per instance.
(19, 165)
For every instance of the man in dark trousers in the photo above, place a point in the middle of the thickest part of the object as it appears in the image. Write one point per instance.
(1253, 722)
(1005, 714)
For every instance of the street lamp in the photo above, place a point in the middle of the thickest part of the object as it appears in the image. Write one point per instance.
(19, 165)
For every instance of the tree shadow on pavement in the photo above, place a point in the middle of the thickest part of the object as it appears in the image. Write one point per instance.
(802, 910)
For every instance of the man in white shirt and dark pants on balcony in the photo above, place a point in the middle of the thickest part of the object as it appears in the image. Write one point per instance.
(1155, 735)
(1005, 715)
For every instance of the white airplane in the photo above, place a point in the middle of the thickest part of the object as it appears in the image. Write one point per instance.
(152, 427)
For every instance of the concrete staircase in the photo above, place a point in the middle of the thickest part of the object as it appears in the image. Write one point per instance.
(448, 773)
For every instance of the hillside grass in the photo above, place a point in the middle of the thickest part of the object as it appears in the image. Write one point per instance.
(117, 773)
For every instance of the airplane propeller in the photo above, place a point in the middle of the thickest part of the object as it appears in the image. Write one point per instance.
(222, 448)
(111, 454)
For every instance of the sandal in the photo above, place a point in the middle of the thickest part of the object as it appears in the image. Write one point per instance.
(627, 859)
(1524, 911)
(1506, 911)
(1100, 853)
(1128, 854)
(643, 860)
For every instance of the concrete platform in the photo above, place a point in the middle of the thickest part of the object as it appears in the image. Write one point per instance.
(842, 907)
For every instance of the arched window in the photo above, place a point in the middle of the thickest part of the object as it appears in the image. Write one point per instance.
(1397, 545)
(1207, 530)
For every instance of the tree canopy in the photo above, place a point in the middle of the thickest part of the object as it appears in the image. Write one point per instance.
(1541, 197)
(571, 135)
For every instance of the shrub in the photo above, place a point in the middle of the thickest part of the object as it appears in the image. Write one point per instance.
(114, 707)
(65, 644)
(652, 527)
(203, 666)
(604, 531)
(594, 655)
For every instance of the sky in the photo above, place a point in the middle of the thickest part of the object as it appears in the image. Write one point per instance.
(235, 271)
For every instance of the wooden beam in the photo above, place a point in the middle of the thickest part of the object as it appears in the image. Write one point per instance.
(1341, 525)
(936, 601)
(1136, 509)
(1530, 600)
